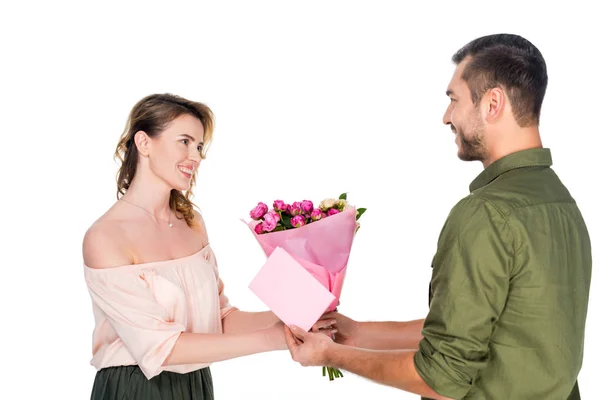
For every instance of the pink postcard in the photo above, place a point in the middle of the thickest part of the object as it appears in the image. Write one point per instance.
(290, 291)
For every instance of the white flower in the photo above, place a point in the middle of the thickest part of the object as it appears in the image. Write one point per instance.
(342, 204)
(327, 204)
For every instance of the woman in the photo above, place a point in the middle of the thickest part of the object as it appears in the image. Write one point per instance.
(161, 313)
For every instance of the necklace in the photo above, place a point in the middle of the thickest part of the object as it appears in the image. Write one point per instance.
(168, 222)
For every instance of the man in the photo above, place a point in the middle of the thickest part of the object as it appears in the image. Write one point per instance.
(511, 274)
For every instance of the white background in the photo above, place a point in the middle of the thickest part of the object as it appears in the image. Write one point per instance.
(311, 99)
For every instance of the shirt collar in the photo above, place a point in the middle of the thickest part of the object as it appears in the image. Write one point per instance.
(536, 157)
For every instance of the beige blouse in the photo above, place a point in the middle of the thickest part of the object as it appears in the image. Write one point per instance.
(140, 310)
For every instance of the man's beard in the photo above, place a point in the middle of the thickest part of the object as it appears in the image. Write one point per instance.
(472, 148)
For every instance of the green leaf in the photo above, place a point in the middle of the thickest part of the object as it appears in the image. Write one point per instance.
(343, 196)
(360, 212)
(285, 221)
(278, 228)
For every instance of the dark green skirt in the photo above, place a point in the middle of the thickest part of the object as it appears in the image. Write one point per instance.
(129, 383)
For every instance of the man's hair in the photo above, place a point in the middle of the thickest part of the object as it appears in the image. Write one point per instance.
(512, 63)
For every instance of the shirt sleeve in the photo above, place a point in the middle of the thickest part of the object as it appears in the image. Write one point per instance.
(469, 286)
(147, 328)
(226, 307)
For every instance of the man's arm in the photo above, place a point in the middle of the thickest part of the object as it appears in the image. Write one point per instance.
(390, 335)
(392, 367)
(469, 286)
(389, 367)
(470, 283)
(378, 335)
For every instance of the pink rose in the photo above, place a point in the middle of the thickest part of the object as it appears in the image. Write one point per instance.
(316, 214)
(296, 208)
(270, 222)
(259, 228)
(275, 215)
(258, 211)
(298, 221)
(332, 211)
(307, 206)
(279, 205)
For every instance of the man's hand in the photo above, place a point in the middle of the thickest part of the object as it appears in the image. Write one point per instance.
(308, 349)
(325, 325)
(346, 328)
(389, 367)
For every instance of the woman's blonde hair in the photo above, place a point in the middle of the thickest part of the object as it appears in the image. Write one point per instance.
(152, 114)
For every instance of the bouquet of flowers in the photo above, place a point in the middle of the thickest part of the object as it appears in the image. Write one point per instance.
(319, 238)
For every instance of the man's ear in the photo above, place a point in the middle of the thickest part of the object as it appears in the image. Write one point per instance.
(494, 103)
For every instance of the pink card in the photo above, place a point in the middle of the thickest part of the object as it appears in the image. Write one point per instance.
(290, 291)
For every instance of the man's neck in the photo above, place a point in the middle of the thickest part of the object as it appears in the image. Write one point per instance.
(512, 142)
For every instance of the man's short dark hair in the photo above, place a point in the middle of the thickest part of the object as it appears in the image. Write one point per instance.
(512, 63)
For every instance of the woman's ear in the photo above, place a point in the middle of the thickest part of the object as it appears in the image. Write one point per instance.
(142, 141)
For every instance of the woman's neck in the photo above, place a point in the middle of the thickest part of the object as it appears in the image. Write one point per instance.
(151, 193)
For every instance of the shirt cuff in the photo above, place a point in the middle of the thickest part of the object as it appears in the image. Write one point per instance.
(440, 376)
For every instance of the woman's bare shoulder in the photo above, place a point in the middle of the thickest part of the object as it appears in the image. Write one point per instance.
(200, 228)
(199, 220)
(105, 243)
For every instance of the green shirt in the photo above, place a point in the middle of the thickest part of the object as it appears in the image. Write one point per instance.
(509, 289)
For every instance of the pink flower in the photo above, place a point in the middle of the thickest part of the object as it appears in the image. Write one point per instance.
(279, 205)
(275, 215)
(259, 228)
(270, 222)
(316, 214)
(298, 221)
(258, 211)
(332, 211)
(296, 208)
(307, 206)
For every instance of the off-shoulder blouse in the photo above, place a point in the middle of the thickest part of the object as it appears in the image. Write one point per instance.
(141, 309)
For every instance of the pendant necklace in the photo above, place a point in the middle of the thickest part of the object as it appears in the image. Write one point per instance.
(168, 222)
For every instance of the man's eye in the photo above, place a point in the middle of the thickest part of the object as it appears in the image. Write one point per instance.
(184, 141)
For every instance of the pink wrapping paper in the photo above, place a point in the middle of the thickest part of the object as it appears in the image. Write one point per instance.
(322, 248)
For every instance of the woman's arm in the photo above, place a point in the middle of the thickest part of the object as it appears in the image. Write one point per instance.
(196, 348)
(242, 321)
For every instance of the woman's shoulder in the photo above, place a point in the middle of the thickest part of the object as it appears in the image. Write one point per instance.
(104, 243)
(199, 220)
(199, 228)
